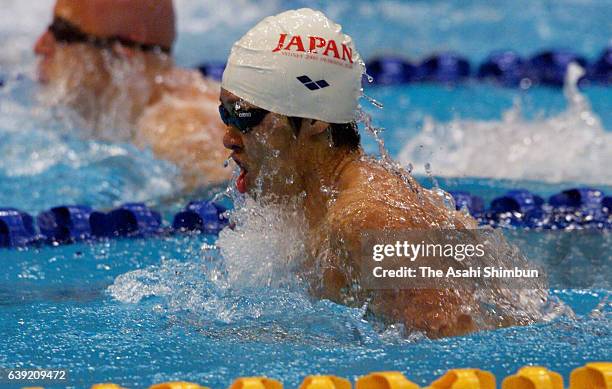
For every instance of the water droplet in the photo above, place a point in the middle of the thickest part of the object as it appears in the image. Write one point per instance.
(374, 102)
(525, 83)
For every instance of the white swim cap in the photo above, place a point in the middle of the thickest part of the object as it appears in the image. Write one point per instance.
(297, 63)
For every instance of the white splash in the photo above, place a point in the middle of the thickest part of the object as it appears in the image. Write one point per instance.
(569, 147)
(133, 286)
(265, 248)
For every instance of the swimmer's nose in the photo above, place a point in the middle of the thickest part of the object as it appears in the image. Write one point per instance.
(44, 45)
(232, 140)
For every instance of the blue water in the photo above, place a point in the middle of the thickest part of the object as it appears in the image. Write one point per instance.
(184, 324)
(171, 313)
(414, 28)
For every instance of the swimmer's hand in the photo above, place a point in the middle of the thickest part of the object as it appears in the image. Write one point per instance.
(436, 312)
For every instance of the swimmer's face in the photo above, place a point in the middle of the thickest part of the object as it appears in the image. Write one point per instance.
(266, 155)
(45, 48)
(72, 67)
(58, 58)
(69, 64)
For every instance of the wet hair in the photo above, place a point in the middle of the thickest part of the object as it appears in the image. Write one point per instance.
(341, 134)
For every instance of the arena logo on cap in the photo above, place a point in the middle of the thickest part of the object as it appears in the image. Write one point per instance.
(330, 47)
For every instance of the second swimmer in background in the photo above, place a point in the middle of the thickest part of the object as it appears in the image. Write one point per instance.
(109, 61)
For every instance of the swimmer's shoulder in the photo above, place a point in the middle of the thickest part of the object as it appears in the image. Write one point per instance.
(371, 199)
(376, 198)
(183, 98)
(185, 110)
(186, 84)
(183, 126)
(352, 214)
(184, 101)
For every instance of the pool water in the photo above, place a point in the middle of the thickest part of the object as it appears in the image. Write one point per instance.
(176, 317)
(140, 311)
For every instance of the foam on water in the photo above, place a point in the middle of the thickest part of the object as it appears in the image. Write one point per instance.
(204, 294)
(266, 248)
(257, 259)
(570, 146)
(177, 286)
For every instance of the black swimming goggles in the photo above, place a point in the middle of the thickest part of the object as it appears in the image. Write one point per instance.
(65, 31)
(243, 119)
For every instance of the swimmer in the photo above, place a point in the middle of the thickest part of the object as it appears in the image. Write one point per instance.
(289, 98)
(110, 62)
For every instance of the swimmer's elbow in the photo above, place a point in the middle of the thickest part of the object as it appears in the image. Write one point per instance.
(440, 325)
(437, 313)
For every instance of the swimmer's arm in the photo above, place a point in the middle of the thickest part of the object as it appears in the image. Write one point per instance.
(437, 312)
(190, 135)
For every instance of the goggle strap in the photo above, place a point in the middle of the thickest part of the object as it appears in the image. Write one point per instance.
(67, 32)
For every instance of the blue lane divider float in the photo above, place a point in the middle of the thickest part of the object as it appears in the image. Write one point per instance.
(204, 216)
(601, 70)
(131, 219)
(577, 198)
(68, 223)
(576, 208)
(213, 70)
(443, 68)
(392, 70)
(549, 67)
(16, 228)
(519, 208)
(474, 204)
(606, 205)
(507, 68)
(503, 67)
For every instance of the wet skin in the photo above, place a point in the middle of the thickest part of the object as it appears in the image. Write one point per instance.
(177, 117)
(344, 194)
(134, 20)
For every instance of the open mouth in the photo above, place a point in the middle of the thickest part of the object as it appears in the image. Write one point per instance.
(42, 72)
(241, 182)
